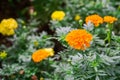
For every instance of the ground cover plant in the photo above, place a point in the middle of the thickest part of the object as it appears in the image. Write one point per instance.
(62, 40)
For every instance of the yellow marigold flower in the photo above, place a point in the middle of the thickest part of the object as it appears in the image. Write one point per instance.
(79, 39)
(77, 17)
(41, 54)
(58, 15)
(95, 19)
(9, 23)
(3, 55)
(7, 26)
(109, 19)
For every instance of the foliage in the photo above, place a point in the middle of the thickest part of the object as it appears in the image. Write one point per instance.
(97, 56)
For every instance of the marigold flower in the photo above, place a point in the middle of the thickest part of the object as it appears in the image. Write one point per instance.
(109, 19)
(79, 39)
(95, 19)
(3, 55)
(41, 54)
(58, 15)
(7, 26)
(77, 17)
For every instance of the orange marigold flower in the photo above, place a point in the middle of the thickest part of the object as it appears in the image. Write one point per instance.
(41, 54)
(109, 19)
(95, 19)
(58, 15)
(79, 39)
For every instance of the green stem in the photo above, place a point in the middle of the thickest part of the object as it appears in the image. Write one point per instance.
(109, 33)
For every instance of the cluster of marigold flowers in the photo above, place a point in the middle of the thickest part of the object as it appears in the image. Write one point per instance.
(8, 26)
(97, 20)
(81, 39)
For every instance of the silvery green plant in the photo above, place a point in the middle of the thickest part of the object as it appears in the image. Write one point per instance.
(99, 62)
